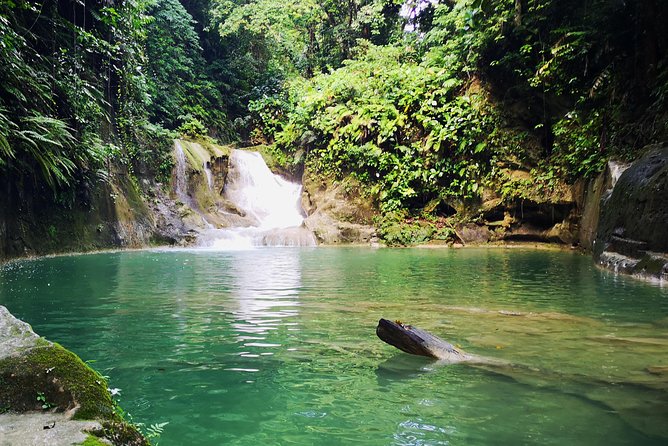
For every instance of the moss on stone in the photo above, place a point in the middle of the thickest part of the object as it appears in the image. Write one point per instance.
(212, 149)
(92, 440)
(198, 153)
(66, 382)
(122, 433)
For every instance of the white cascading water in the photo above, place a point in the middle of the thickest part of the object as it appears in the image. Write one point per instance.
(180, 185)
(209, 175)
(616, 170)
(270, 204)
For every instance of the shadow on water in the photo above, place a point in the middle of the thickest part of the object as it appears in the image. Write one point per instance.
(404, 367)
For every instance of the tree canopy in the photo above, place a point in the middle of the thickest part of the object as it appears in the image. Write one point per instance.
(424, 101)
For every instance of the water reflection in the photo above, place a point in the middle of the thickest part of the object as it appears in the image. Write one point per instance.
(404, 367)
(277, 346)
(264, 298)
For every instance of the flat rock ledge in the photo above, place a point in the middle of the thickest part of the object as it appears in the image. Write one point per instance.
(49, 396)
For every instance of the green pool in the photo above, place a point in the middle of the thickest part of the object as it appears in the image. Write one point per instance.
(277, 345)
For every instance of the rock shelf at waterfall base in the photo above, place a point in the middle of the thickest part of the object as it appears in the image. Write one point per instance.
(222, 198)
(49, 396)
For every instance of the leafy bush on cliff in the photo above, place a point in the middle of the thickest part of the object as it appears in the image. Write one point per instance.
(407, 129)
(480, 86)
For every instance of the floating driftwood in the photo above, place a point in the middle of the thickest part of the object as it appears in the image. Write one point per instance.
(419, 342)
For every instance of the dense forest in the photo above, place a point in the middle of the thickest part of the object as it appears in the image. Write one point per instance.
(424, 103)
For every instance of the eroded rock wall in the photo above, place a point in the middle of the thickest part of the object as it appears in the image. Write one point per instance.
(118, 213)
(36, 222)
(337, 212)
(632, 232)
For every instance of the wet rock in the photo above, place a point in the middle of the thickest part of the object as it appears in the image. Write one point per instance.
(658, 370)
(15, 336)
(330, 231)
(472, 233)
(632, 234)
(590, 206)
(337, 212)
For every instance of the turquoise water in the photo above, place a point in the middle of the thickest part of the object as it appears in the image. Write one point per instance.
(277, 346)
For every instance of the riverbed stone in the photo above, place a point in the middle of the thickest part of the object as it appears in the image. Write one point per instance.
(47, 429)
(44, 386)
(15, 335)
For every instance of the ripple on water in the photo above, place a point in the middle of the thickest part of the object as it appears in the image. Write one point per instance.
(278, 346)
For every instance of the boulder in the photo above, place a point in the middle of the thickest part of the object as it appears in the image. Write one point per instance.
(47, 386)
(337, 212)
(632, 233)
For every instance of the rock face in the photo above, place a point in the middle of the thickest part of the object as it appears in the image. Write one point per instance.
(47, 386)
(632, 234)
(44, 429)
(16, 336)
(118, 213)
(537, 216)
(591, 208)
(336, 213)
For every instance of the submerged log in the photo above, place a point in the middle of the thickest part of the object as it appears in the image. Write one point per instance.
(419, 342)
(643, 404)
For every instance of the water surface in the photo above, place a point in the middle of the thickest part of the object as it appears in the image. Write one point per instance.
(277, 346)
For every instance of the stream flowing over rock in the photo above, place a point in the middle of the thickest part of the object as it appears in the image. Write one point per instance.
(632, 233)
(267, 207)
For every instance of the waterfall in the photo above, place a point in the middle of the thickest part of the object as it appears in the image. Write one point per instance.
(616, 170)
(209, 175)
(269, 204)
(181, 183)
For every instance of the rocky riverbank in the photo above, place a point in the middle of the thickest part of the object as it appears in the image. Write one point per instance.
(48, 396)
(632, 231)
(621, 216)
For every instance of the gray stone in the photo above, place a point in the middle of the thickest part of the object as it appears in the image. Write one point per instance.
(47, 429)
(632, 233)
(15, 336)
(337, 212)
(75, 399)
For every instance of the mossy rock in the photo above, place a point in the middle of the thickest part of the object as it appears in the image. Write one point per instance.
(200, 152)
(38, 377)
(66, 383)
(92, 440)
(637, 208)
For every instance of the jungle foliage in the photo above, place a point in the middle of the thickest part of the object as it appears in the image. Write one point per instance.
(72, 93)
(92, 88)
(427, 102)
(477, 87)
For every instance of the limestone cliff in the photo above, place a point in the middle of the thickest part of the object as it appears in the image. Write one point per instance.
(337, 212)
(121, 211)
(632, 232)
(116, 213)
